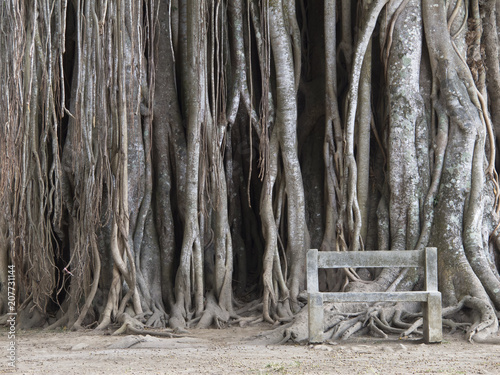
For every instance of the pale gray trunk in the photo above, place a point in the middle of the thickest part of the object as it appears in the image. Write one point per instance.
(286, 122)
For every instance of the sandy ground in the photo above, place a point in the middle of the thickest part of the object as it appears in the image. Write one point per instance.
(240, 351)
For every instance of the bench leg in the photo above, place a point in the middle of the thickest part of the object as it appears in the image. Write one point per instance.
(315, 309)
(433, 326)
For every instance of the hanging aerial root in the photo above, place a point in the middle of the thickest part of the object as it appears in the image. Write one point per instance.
(349, 204)
(90, 297)
(388, 39)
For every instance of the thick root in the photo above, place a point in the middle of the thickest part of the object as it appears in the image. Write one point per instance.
(133, 326)
(213, 314)
(383, 320)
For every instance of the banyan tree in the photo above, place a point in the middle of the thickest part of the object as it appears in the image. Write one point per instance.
(168, 163)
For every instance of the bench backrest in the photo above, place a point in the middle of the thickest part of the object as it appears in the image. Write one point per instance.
(426, 258)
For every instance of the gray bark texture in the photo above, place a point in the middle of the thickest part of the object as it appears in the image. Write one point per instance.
(169, 163)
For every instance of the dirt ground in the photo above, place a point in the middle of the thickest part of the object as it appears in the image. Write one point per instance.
(240, 351)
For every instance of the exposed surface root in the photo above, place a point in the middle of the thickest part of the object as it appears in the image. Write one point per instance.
(213, 314)
(245, 321)
(133, 326)
(30, 317)
(382, 320)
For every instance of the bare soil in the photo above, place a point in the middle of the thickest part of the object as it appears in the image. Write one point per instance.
(241, 351)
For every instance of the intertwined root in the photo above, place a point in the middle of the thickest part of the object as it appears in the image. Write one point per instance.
(383, 320)
(132, 325)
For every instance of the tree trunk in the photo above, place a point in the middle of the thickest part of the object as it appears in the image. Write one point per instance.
(164, 161)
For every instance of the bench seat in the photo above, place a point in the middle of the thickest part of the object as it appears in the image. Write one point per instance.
(430, 297)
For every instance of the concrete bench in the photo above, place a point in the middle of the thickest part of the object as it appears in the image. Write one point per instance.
(430, 298)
